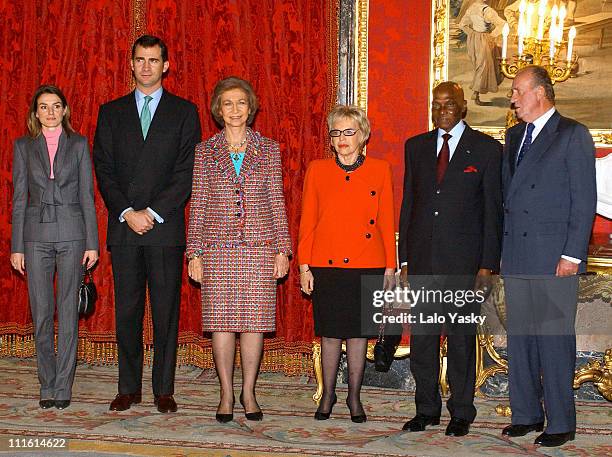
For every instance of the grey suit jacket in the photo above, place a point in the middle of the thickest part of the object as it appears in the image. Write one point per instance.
(53, 210)
(549, 200)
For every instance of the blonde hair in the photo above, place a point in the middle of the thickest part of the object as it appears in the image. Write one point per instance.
(34, 125)
(354, 113)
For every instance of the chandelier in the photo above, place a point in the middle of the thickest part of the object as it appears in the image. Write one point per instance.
(540, 41)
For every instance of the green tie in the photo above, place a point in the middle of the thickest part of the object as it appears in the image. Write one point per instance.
(145, 116)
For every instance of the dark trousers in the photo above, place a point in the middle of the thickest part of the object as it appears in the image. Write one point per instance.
(461, 352)
(541, 316)
(135, 268)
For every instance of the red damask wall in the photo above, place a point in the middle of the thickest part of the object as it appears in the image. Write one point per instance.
(286, 48)
(83, 48)
(398, 80)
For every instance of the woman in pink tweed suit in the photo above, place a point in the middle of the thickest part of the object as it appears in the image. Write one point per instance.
(238, 239)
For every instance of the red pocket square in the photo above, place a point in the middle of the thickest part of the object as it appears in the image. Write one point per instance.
(470, 169)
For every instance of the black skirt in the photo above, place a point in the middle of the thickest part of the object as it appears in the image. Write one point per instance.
(337, 301)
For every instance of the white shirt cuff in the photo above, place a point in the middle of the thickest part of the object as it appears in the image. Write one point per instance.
(571, 259)
(157, 217)
(403, 264)
(121, 218)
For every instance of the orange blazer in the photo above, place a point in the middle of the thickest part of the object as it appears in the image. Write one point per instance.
(347, 218)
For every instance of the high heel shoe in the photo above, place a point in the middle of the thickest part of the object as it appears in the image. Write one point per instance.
(255, 416)
(46, 404)
(359, 418)
(225, 417)
(320, 416)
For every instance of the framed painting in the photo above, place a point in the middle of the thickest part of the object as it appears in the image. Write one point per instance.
(456, 55)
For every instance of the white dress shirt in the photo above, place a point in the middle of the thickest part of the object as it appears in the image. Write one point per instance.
(140, 98)
(538, 125)
(453, 141)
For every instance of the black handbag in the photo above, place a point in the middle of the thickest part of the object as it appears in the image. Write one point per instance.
(87, 293)
(389, 338)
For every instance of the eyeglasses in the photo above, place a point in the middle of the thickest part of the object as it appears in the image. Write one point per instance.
(345, 132)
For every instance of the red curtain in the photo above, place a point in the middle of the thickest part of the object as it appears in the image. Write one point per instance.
(286, 48)
(82, 47)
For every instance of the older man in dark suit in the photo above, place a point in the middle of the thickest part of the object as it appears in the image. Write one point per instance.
(549, 204)
(450, 236)
(143, 156)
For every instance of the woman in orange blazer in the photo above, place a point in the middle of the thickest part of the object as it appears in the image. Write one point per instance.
(346, 232)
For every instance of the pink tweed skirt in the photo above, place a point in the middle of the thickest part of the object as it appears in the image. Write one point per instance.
(238, 290)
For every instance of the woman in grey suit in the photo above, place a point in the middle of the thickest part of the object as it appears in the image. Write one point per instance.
(54, 229)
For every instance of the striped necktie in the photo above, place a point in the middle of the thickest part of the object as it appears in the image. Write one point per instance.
(145, 116)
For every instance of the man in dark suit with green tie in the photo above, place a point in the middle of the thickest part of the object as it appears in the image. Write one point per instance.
(143, 156)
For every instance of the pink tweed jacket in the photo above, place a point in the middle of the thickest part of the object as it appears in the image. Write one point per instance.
(229, 211)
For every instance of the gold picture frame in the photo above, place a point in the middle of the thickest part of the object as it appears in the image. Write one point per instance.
(439, 71)
(361, 53)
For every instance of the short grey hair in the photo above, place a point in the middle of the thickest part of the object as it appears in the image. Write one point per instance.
(540, 77)
(351, 112)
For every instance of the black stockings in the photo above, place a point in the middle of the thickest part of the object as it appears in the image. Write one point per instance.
(330, 358)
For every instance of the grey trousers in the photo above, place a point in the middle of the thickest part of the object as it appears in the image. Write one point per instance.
(542, 350)
(42, 259)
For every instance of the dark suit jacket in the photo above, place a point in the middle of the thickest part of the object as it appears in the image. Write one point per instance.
(154, 173)
(454, 227)
(550, 199)
(53, 210)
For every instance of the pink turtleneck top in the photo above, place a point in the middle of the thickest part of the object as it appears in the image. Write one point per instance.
(52, 138)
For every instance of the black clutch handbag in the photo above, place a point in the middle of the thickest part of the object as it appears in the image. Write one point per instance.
(87, 294)
(389, 338)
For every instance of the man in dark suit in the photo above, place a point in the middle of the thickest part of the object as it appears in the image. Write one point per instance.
(143, 156)
(450, 236)
(549, 206)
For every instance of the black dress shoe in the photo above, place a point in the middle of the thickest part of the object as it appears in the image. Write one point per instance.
(254, 416)
(522, 430)
(554, 439)
(457, 427)
(357, 418)
(225, 417)
(165, 403)
(419, 422)
(46, 404)
(62, 404)
(124, 401)
(321, 416)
